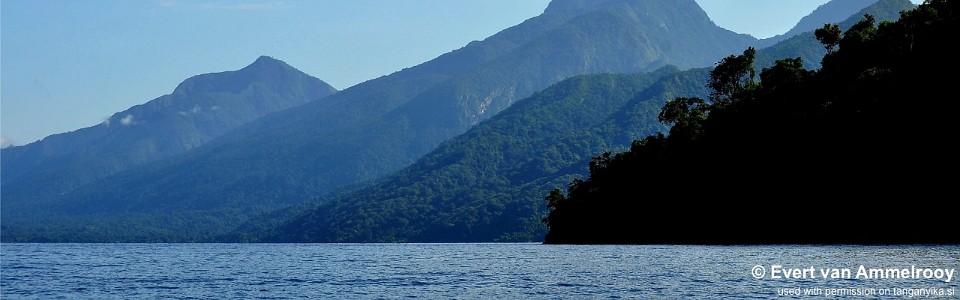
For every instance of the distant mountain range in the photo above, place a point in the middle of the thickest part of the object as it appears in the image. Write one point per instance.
(332, 152)
(805, 44)
(37, 177)
(385, 124)
(835, 11)
(488, 184)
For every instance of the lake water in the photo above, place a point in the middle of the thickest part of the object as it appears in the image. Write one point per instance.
(470, 271)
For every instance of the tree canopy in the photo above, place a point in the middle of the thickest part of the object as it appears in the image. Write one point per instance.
(804, 153)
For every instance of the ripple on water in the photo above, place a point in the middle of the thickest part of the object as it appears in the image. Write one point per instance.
(430, 270)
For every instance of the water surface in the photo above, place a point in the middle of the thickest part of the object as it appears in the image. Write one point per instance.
(470, 271)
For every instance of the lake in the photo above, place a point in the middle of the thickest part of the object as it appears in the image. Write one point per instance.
(475, 271)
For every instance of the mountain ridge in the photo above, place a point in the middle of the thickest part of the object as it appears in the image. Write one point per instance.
(467, 183)
(386, 124)
(417, 204)
(382, 125)
(806, 46)
(200, 109)
(836, 131)
(834, 11)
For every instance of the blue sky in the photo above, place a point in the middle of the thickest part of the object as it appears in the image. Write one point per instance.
(67, 64)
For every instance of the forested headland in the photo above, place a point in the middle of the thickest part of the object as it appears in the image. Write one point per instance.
(861, 151)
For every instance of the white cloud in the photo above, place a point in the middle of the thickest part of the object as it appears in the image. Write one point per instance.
(195, 110)
(4, 142)
(127, 121)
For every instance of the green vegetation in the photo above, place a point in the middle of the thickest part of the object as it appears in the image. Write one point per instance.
(805, 46)
(798, 156)
(485, 184)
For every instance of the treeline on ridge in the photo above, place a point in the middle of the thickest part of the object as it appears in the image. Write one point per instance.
(855, 152)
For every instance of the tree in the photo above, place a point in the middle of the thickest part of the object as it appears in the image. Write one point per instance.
(686, 115)
(683, 110)
(733, 75)
(554, 200)
(829, 36)
(786, 72)
(859, 33)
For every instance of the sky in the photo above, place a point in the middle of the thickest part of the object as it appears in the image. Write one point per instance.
(67, 64)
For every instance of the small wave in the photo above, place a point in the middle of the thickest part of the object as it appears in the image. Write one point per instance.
(162, 287)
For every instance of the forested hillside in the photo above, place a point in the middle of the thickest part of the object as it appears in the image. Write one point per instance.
(791, 155)
(485, 185)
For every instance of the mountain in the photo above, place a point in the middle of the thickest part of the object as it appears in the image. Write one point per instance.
(831, 12)
(806, 46)
(199, 110)
(382, 125)
(488, 184)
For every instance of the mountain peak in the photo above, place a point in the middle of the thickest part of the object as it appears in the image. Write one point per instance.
(264, 60)
(561, 5)
(586, 5)
(264, 69)
(267, 63)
